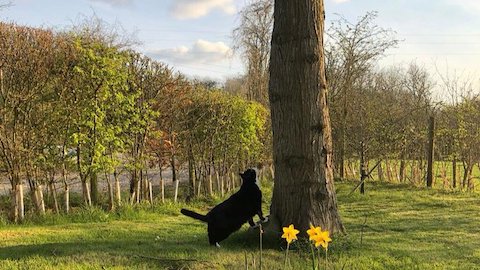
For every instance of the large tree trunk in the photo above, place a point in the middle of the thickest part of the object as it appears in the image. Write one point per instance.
(304, 192)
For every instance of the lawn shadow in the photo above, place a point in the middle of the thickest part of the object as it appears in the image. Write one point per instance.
(129, 253)
(249, 239)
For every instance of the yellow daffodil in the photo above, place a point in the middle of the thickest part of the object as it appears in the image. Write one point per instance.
(313, 231)
(322, 239)
(319, 237)
(290, 233)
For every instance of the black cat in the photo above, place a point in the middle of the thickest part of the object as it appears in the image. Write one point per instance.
(230, 215)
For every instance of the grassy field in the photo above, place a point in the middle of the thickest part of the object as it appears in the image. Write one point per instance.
(405, 228)
(440, 180)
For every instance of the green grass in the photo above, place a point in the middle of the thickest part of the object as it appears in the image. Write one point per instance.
(406, 228)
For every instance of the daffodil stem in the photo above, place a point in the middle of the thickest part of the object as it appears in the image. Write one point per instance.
(319, 258)
(313, 258)
(286, 256)
(326, 259)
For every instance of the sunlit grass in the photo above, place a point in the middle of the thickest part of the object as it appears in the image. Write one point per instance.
(441, 169)
(405, 228)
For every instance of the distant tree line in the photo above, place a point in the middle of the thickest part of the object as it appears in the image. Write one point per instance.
(82, 106)
(380, 116)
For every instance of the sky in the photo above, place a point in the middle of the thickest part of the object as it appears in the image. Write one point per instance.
(195, 36)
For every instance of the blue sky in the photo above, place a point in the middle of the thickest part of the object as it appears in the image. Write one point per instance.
(194, 36)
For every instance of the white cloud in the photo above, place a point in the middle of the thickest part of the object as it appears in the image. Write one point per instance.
(340, 1)
(115, 2)
(201, 52)
(192, 9)
(469, 5)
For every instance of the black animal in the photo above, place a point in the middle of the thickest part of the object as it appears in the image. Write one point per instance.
(230, 215)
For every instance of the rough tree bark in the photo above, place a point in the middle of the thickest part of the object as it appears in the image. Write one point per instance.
(304, 191)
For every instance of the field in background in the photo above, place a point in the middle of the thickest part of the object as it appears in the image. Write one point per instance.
(442, 173)
(390, 227)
